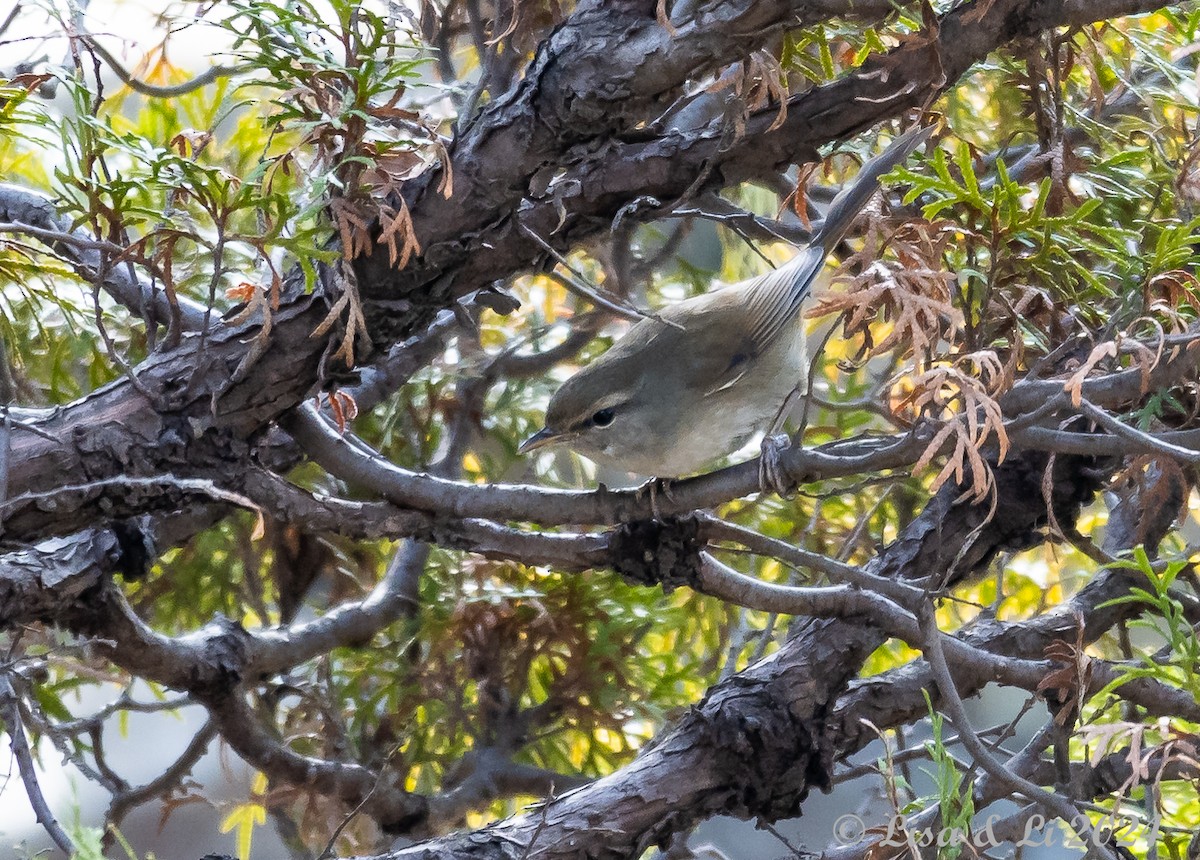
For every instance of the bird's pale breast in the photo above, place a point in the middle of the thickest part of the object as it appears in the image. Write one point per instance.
(723, 421)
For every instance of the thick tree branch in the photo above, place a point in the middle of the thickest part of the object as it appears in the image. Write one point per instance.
(639, 178)
(756, 743)
(206, 410)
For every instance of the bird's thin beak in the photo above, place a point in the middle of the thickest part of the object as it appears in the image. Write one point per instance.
(540, 439)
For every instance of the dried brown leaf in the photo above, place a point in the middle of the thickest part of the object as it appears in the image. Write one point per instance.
(957, 395)
(664, 20)
(1069, 684)
(912, 293)
(1074, 385)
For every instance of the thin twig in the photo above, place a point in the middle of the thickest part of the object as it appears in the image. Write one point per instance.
(577, 286)
(125, 801)
(153, 90)
(717, 529)
(11, 715)
(952, 703)
(1149, 440)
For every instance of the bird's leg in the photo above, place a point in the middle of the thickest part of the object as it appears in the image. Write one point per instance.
(653, 487)
(771, 475)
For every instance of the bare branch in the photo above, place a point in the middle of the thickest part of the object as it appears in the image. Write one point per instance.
(950, 700)
(162, 91)
(11, 715)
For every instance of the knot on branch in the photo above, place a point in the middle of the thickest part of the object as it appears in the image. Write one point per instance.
(771, 756)
(219, 669)
(665, 552)
(954, 537)
(1068, 483)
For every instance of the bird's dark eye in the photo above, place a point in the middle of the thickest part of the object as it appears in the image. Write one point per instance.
(603, 418)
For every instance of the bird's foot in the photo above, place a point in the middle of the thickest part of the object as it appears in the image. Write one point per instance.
(652, 488)
(772, 477)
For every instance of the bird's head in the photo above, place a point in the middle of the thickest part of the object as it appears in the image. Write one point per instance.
(590, 414)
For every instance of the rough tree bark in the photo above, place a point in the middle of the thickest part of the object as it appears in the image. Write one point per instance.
(572, 149)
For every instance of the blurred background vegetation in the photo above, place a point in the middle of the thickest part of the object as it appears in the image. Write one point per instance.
(1062, 189)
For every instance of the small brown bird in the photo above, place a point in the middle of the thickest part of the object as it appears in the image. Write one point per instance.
(678, 392)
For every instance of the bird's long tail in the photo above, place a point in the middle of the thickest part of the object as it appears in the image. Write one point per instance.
(774, 299)
(851, 199)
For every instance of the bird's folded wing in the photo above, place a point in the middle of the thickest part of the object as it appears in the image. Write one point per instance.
(774, 299)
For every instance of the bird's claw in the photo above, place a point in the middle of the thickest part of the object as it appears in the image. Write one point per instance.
(772, 477)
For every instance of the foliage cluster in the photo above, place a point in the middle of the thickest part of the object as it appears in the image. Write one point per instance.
(1054, 212)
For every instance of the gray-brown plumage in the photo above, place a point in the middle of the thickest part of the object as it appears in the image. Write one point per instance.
(676, 393)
